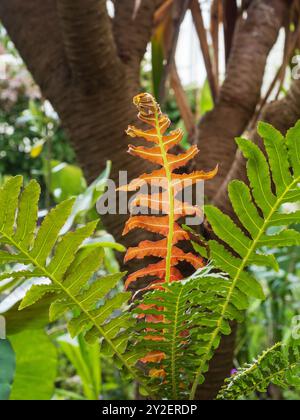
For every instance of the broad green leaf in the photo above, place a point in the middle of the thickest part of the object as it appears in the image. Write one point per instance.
(7, 369)
(66, 181)
(36, 366)
(87, 200)
(31, 318)
(86, 360)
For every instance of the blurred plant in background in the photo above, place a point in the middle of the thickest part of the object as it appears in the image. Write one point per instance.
(31, 138)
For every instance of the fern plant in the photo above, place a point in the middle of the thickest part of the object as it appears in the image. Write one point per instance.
(165, 202)
(172, 208)
(279, 365)
(183, 305)
(184, 352)
(258, 209)
(68, 266)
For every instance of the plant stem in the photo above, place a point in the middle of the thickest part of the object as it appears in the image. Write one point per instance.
(171, 199)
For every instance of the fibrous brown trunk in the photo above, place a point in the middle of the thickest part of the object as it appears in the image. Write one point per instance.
(254, 37)
(89, 75)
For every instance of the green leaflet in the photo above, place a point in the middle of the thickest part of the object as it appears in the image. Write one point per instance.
(28, 214)
(70, 267)
(36, 365)
(292, 139)
(279, 365)
(7, 368)
(277, 153)
(48, 232)
(246, 244)
(8, 203)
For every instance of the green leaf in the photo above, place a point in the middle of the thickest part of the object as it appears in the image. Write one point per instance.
(278, 365)
(35, 294)
(206, 100)
(258, 209)
(259, 175)
(87, 200)
(71, 268)
(232, 265)
(86, 360)
(240, 197)
(28, 214)
(7, 368)
(36, 361)
(278, 156)
(9, 195)
(157, 58)
(284, 238)
(48, 232)
(30, 318)
(293, 143)
(227, 230)
(282, 219)
(99, 289)
(66, 181)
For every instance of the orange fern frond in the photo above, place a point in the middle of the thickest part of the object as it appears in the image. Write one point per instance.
(166, 210)
(167, 207)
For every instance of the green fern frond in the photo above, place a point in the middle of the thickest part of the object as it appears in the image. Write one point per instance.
(183, 307)
(98, 309)
(279, 365)
(258, 209)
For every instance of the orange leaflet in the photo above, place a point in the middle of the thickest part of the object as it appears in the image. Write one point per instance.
(159, 225)
(159, 249)
(158, 179)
